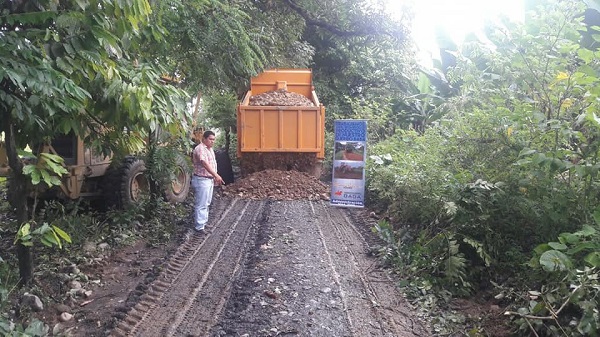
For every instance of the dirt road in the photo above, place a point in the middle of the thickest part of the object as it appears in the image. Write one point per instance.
(273, 268)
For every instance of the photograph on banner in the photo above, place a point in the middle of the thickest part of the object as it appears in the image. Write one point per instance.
(348, 184)
(348, 170)
(350, 151)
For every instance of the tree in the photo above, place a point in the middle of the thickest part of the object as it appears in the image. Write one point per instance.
(221, 109)
(74, 66)
(219, 44)
(361, 59)
(215, 46)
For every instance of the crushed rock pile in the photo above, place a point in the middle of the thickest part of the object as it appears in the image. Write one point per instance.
(280, 97)
(277, 185)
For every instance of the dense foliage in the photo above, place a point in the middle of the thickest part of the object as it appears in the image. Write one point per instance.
(512, 165)
(75, 67)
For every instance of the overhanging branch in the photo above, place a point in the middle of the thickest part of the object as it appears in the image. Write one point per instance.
(337, 30)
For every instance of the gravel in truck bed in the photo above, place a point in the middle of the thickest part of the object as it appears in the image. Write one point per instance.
(280, 97)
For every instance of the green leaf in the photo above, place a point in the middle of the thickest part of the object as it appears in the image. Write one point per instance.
(56, 239)
(534, 262)
(593, 259)
(540, 249)
(557, 246)
(586, 231)
(23, 234)
(35, 177)
(424, 84)
(527, 152)
(522, 162)
(51, 237)
(42, 229)
(62, 233)
(568, 238)
(52, 158)
(53, 167)
(46, 177)
(25, 229)
(44, 240)
(536, 307)
(597, 215)
(586, 55)
(27, 169)
(554, 260)
(583, 246)
(55, 181)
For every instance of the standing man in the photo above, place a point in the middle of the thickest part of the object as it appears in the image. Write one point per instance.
(204, 179)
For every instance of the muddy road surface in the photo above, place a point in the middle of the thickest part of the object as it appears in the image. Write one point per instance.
(273, 268)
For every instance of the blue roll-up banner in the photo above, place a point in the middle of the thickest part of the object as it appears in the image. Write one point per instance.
(349, 157)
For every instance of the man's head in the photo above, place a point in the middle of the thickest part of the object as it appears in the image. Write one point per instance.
(208, 138)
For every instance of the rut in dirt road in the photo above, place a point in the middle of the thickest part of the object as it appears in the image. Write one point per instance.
(274, 268)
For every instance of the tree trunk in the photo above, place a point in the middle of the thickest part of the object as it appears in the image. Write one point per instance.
(17, 195)
(25, 264)
(152, 175)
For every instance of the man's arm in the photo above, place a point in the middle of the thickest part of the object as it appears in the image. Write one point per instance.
(212, 172)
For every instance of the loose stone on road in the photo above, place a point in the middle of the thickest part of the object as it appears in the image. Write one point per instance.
(274, 268)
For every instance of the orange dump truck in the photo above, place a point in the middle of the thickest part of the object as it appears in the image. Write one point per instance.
(283, 135)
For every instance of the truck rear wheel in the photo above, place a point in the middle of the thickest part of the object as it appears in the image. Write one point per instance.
(179, 188)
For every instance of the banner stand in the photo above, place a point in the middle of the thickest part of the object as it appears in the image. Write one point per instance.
(349, 158)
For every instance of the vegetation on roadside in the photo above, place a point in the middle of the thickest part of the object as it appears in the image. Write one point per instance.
(94, 235)
(500, 195)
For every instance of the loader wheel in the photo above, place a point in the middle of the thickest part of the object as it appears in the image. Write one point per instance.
(134, 184)
(179, 188)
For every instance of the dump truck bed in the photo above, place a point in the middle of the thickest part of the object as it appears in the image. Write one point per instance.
(281, 129)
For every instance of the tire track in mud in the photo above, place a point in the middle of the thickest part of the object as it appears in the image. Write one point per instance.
(310, 275)
(274, 268)
(187, 297)
(371, 311)
(286, 287)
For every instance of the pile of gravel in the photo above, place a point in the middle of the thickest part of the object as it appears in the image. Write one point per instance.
(277, 185)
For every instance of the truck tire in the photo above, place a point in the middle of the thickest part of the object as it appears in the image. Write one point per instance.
(133, 185)
(179, 188)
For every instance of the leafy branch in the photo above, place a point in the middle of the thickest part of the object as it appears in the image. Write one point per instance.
(49, 235)
(553, 314)
(310, 20)
(48, 169)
